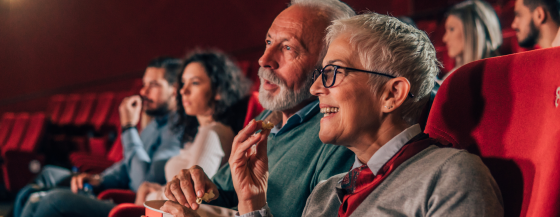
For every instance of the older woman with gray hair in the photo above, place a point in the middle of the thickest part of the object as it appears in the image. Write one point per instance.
(375, 80)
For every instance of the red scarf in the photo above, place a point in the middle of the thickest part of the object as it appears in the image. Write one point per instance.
(360, 181)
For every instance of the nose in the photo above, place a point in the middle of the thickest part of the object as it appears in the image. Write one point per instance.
(444, 39)
(268, 59)
(144, 91)
(514, 23)
(184, 90)
(317, 88)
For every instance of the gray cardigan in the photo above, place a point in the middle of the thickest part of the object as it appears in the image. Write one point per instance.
(434, 182)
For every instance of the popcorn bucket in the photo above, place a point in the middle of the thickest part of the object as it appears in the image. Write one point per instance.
(152, 208)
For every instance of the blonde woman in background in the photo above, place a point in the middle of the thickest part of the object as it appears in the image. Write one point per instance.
(472, 32)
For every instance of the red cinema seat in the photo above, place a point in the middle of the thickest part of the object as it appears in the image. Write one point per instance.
(506, 110)
(34, 133)
(6, 126)
(90, 163)
(102, 110)
(55, 107)
(22, 165)
(253, 109)
(127, 209)
(18, 130)
(83, 114)
(69, 111)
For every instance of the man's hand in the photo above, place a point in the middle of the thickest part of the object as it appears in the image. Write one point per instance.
(189, 184)
(249, 167)
(129, 110)
(145, 189)
(178, 210)
(78, 181)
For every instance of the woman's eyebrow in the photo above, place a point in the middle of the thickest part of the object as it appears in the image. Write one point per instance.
(330, 62)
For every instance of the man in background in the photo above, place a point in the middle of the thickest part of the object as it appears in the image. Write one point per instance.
(536, 22)
(145, 154)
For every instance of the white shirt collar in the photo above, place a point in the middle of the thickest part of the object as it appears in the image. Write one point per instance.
(387, 151)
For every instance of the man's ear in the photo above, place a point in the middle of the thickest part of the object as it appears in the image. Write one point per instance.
(539, 16)
(395, 93)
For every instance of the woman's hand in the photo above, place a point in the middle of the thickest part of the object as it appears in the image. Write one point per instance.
(145, 189)
(178, 210)
(249, 167)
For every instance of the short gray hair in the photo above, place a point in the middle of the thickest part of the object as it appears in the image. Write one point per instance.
(334, 10)
(387, 45)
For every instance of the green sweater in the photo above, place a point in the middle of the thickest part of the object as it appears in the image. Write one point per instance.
(297, 162)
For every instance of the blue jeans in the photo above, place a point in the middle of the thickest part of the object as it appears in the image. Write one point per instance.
(61, 202)
(49, 178)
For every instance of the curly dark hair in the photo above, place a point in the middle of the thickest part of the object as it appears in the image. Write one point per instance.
(227, 80)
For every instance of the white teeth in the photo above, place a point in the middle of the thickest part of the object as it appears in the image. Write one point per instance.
(329, 110)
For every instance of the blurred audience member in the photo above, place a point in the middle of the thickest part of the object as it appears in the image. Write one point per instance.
(536, 22)
(144, 159)
(472, 32)
(298, 159)
(208, 88)
(398, 170)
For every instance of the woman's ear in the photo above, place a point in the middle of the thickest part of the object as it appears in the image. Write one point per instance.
(395, 93)
(218, 97)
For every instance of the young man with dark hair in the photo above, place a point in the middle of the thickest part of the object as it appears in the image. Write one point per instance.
(536, 22)
(145, 154)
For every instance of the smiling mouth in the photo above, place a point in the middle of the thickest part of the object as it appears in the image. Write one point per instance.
(328, 111)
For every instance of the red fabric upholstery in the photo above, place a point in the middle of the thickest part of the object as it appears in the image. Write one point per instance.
(102, 110)
(254, 108)
(504, 109)
(127, 210)
(18, 130)
(19, 168)
(70, 108)
(55, 106)
(34, 133)
(6, 126)
(98, 146)
(83, 114)
(116, 152)
(118, 196)
(87, 162)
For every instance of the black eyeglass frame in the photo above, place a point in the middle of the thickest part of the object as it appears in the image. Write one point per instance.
(317, 72)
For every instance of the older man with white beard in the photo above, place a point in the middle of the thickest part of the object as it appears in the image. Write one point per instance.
(297, 159)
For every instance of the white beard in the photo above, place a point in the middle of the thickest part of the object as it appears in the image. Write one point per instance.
(286, 98)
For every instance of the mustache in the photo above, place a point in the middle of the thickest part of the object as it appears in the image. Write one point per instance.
(268, 74)
(145, 99)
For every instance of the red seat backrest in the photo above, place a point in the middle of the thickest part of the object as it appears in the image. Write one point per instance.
(70, 108)
(253, 109)
(83, 114)
(504, 109)
(34, 132)
(55, 106)
(6, 126)
(116, 152)
(18, 129)
(102, 110)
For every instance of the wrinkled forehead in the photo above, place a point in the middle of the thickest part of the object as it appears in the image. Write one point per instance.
(303, 24)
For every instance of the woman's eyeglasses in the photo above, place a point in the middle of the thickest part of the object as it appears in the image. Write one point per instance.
(329, 73)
